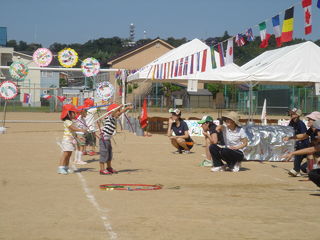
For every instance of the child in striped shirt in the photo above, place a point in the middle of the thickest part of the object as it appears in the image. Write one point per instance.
(105, 140)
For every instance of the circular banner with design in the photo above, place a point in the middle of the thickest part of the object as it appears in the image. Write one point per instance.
(8, 90)
(68, 57)
(90, 67)
(105, 91)
(18, 70)
(42, 57)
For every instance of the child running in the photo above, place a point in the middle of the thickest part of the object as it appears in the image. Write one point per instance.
(68, 142)
(106, 135)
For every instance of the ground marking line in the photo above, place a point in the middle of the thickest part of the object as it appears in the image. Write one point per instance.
(93, 201)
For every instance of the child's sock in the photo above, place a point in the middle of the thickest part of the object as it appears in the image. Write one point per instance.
(79, 156)
(76, 158)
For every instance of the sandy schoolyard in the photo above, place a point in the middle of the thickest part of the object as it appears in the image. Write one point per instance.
(260, 202)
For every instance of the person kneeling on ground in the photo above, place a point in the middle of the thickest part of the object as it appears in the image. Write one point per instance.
(299, 129)
(235, 140)
(212, 133)
(311, 133)
(181, 140)
(314, 175)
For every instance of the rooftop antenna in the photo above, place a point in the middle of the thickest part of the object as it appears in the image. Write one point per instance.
(144, 35)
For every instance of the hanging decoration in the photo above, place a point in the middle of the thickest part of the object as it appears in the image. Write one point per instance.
(90, 67)
(18, 70)
(8, 90)
(42, 57)
(105, 91)
(68, 57)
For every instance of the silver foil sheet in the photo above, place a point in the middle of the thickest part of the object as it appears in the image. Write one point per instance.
(266, 144)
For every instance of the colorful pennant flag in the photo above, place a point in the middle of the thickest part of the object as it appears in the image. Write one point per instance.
(287, 28)
(191, 64)
(62, 98)
(198, 61)
(185, 66)
(264, 35)
(221, 54)
(165, 71)
(180, 67)
(277, 30)
(46, 96)
(249, 35)
(204, 61)
(229, 53)
(153, 72)
(306, 4)
(27, 98)
(240, 40)
(172, 69)
(176, 68)
(213, 59)
(157, 66)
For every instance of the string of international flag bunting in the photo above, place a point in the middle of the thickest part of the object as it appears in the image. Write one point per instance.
(197, 62)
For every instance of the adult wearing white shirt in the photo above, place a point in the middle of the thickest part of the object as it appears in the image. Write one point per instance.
(235, 140)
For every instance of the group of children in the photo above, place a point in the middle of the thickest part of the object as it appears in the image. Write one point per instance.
(80, 131)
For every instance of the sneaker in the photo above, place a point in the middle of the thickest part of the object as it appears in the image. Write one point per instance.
(218, 169)
(186, 152)
(294, 173)
(91, 153)
(112, 170)
(178, 152)
(236, 167)
(105, 172)
(62, 170)
(69, 170)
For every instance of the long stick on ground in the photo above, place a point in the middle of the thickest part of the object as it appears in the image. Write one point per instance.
(104, 115)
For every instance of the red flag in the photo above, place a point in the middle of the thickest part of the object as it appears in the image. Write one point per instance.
(61, 98)
(144, 115)
(306, 4)
(204, 61)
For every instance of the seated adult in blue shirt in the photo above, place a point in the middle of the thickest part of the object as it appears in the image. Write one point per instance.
(299, 128)
(182, 140)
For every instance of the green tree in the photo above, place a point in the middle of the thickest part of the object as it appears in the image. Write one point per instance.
(168, 89)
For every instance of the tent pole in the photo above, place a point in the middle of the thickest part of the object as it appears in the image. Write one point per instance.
(250, 101)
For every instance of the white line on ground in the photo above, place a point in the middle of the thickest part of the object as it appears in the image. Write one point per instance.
(93, 201)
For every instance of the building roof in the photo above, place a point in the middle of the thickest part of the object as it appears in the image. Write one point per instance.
(136, 49)
(201, 92)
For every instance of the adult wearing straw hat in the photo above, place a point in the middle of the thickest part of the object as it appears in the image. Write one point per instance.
(235, 140)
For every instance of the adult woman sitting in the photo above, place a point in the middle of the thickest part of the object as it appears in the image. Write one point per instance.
(235, 140)
(182, 140)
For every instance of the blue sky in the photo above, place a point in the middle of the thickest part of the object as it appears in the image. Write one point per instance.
(70, 21)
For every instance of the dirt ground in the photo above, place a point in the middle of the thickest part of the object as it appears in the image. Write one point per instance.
(260, 202)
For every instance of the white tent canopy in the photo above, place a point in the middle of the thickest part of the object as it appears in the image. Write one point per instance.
(288, 65)
(229, 73)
